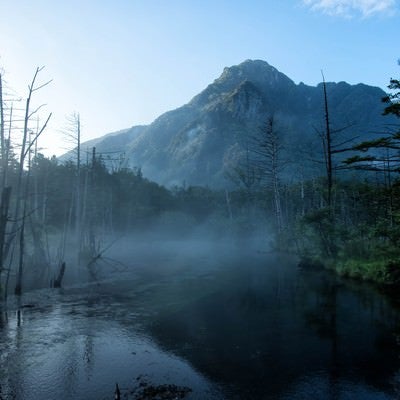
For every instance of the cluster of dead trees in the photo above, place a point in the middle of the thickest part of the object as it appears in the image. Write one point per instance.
(20, 129)
(24, 232)
(58, 219)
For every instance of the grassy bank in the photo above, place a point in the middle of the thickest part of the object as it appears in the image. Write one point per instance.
(382, 271)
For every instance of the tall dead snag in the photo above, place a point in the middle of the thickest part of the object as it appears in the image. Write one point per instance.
(5, 190)
(273, 147)
(80, 213)
(92, 245)
(331, 145)
(267, 152)
(78, 216)
(21, 201)
(4, 207)
(328, 144)
(2, 129)
(72, 133)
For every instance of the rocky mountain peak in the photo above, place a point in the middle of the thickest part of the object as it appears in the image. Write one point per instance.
(256, 71)
(260, 74)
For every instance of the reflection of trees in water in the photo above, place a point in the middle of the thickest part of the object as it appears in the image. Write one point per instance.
(80, 351)
(15, 366)
(5, 389)
(3, 318)
(280, 326)
(11, 340)
(256, 331)
(359, 324)
(88, 352)
(71, 367)
(323, 320)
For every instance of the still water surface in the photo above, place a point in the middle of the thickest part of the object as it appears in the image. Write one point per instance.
(240, 326)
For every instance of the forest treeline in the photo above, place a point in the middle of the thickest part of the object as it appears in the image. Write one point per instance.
(356, 229)
(52, 211)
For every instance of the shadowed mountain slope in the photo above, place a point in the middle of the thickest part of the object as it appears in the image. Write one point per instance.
(201, 142)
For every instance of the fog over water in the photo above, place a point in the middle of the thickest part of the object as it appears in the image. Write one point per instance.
(226, 318)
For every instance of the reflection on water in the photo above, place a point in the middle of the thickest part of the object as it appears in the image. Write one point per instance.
(67, 353)
(250, 327)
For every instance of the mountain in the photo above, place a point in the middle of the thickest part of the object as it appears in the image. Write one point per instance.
(200, 142)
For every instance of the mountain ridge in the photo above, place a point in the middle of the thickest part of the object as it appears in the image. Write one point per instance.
(199, 142)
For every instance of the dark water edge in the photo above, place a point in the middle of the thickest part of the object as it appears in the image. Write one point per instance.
(234, 326)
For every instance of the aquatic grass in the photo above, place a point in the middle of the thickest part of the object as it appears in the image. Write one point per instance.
(381, 270)
(368, 270)
(365, 258)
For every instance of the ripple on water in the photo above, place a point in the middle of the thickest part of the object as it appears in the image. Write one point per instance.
(64, 355)
(257, 326)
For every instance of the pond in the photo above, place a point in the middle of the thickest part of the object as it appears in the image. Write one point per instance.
(237, 325)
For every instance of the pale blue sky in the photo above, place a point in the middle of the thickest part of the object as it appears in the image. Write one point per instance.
(121, 63)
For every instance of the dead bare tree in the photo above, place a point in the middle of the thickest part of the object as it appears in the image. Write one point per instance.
(20, 190)
(328, 143)
(5, 190)
(72, 134)
(331, 145)
(267, 149)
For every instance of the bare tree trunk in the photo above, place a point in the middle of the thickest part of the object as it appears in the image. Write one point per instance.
(10, 263)
(78, 178)
(43, 211)
(228, 204)
(26, 146)
(389, 188)
(18, 286)
(2, 135)
(35, 189)
(84, 217)
(272, 147)
(5, 190)
(58, 280)
(329, 169)
(4, 207)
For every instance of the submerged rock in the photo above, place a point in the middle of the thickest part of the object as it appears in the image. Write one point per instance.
(147, 391)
